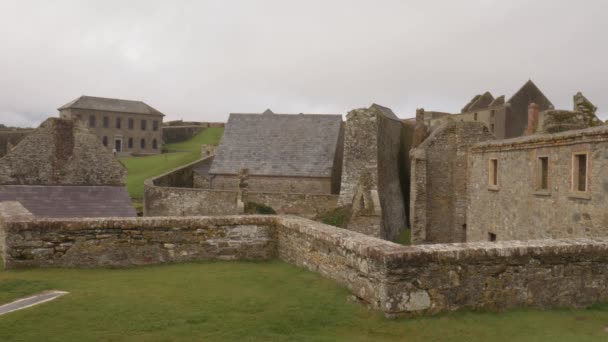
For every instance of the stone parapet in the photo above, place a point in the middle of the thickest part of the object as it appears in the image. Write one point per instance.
(398, 280)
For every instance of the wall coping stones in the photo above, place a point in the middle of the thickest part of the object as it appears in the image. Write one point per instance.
(588, 135)
(399, 280)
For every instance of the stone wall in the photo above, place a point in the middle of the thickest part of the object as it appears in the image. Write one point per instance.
(129, 242)
(174, 134)
(305, 205)
(194, 123)
(10, 138)
(438, 206)
(517, 209)
(61, 152)
(308, 185)
(397, 280)
(185, 192)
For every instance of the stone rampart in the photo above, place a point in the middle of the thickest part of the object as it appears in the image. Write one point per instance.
(398, 280)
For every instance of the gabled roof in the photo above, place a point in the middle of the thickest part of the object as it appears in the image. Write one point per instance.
(480, 102)
(61, 201)
(301, 145)
(111, 105)
(470, 103)
(530, 90)
(498, 101)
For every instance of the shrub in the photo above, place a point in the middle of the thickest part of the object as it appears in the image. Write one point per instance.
(257, 208)
(338, 217)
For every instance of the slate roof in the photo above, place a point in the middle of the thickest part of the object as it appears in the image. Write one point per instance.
(111, 105)
(301, 145)
(64, 201)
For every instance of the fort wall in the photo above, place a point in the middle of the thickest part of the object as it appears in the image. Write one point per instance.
(174, 134)
(398, 280)
(10, 138)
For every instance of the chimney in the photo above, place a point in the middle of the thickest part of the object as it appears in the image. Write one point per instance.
(419, 116)
(533, 115)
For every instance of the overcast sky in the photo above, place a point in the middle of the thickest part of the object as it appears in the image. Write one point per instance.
(200, 60)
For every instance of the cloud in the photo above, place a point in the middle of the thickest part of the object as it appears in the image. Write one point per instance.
(200, 60)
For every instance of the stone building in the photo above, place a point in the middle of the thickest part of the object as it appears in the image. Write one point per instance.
(439, 182)
(540, 186)
(129, 127)
(504, 119)
(282, 153)
(62, 170)
(375, 173)
(466, 186)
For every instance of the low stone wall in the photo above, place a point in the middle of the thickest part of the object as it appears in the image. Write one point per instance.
(398, 280)
(306, 205)
(128, 242)
(183, 192)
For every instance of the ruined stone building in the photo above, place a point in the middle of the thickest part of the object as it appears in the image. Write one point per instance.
(504, 118)
(128, 127)
(281, 152)
(551, 183)
(376, 171)
(62, 170)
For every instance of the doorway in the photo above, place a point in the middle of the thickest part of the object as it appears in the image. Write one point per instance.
(118, 145)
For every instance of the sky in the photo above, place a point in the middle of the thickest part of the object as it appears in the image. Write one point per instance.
(201, 60)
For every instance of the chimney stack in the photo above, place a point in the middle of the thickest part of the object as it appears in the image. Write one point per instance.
(533, 116)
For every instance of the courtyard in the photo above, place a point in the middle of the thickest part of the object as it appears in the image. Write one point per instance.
(229, 301)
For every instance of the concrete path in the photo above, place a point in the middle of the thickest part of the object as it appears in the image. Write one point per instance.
(23, 303)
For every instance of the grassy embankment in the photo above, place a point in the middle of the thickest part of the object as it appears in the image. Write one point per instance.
(239, 301)
(142, 168)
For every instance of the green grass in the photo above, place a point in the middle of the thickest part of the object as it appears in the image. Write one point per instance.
(142, 168)
(209, 136)
(405, 238)
(238, 301)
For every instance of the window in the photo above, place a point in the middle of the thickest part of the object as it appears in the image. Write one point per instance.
(475, 117)
(155, 125)
(579, 172)
(131, 123)
(543, 173)
(92, 121)
(492, 127)
(154, 144)
(118, 122)
(493, 173)
(106, 122)
(105, 141)
(492, 113)
(130, 144)
(142, 143)
(144, 123)
(491, 237)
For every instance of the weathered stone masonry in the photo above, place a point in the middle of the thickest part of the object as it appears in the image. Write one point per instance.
(398, 280)
(518, 209)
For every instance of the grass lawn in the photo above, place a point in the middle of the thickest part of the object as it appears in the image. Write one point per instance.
(142, 168)
(238, 301)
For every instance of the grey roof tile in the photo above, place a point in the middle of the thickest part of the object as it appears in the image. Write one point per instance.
(111, 105)
(64, 201)
(301, 145)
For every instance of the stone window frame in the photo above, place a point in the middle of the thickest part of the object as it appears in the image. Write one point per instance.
(104, 141)
(106, 121)
(92, 120)
(492, 128)
(130, 143)
(574, 175)
(144, 124)
(155, 125)
(131, 123)
(142, 143)
(154, 144)
(119, 122)
(475, 116)
(493, 182)
(538, 190)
